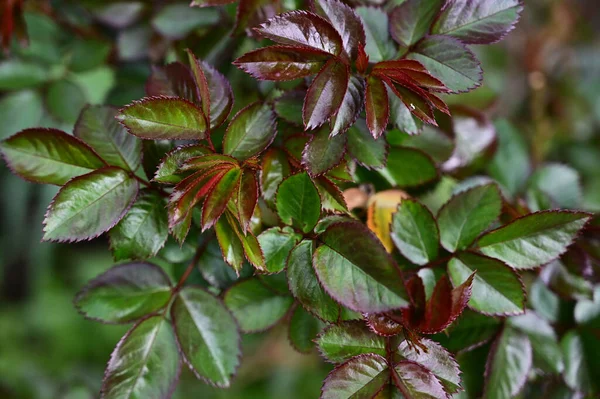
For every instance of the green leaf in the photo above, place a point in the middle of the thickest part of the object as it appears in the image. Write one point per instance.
(581, 352)
(98, 127)
(275, 167)
(213, 268)
(533, 239)
(289, 107)
(546, 351)
(340, 342)
(560, 183)
(125, 293)
(230, 244)
(188, 19)
(302, 330)
(508, 365)
(20, 110)
(379, 46)
(369, 152)
(467, 215)
(417, 381)
(276, 244)
(304, 285)
(298, 202)
(361, 377)
(48, 156)
(143, 231)
(355, 269)
(89, 205)
(250, 132)
(16, 74)
(415, 232)
(249, 243)
(511, 164)
(167, 171)
(411, 20)
(145, 363)
(470, 331)
(255, 306)
(322, 153)
(207, 334)
(496, 288)
(408, 167)
(156, 118)
(587, 312)
(65, 99)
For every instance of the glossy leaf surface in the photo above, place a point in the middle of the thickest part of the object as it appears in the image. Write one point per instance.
(325, 94)
(251, 130)
(276, 244)
(340, 342)
(360, 377)
(415, 232)
(323, 153)
(298, 202)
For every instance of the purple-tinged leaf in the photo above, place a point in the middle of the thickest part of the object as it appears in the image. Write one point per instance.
(401, 117)
(157, 118)
(381, 324)
(216, 201)
(367, 151)
(208, 162)
(332, 198)
(411, 20)
(167, 171)
(346, 22)
(89, 205)
(360, 377)
(145, 363)
(98, 127)
(125, 293)
(281, 63)
(377, 106)
(302, 28)
(201, 84)
(416, 381)
(340, 342)
(48, 156)
(253, 12)
(352, 104)
(247, 198)
(173, 80)
(362, 60)
(478, 22)
(416, 100)
(274, 168)
(323, 152)
(450, 61)
(250, 131)
(325, 94)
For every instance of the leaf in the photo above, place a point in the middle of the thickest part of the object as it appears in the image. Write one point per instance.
(275, 167)
(89, 205)
(168, 170)
(298, 202)
(247, 198)
(483, 22)
(155, 118)
(144, 364)
(48, 156)
(188, 20)
(408, 167)
(415, 232)
(369, 152)
(207, 334)
(417, 381)
(323, 153)
(580, 351)
(467, 215)
(380, 208)
(450, 61)
(302, 330)
(346, 22)
(276, 244)
(360, 377)
(470, 331)
(213, 268)
(533, 239)
(411, 20)
(173, 80)
(143, 231)
(352, 104)
(379, 46)
(231, 246)
(511, 164)
(250, 245)
(496, 288)
(17, 74)
(401, 117)
(304, 285)
(332, 198)
(281, 63)
(587, 312)
(560, 183)
(65, 99)
(289, 106)
(98, 127)
(255, 306)
(250, 131)
(377, 107)
(221, 95)
(508, 365)
(302, 28)
(353, 257)
(325, 94)
(436, 359)
(125, 293)
(218, 197)
(339, 342)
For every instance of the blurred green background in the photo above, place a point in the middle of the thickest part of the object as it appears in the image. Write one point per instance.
(545, 78)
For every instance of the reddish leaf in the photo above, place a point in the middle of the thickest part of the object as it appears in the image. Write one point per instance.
(205, 162)
(323, 152)
(302, 28)
(174, 79)
(219, 196)
(383, 325)
(377, 106)
(282, 63)
(417, 381)
(362, 60)
(402, 71)
(247, 198)
(416, 102)
(353, 102)
(201, 84)
(346, 22)
(253, 12)
(325, 94)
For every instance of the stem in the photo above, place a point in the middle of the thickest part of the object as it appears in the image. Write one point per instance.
(149, 185)
(209, 142)
(191, 265)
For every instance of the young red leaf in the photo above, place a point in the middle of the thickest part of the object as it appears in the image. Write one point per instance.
(302, 28)
(326, 94)
(346, 22)
(281, 63)
(416, 101)
(377, 106)
(201, 84)
(206, 162)
(352, 104)
(323, 152)
(173, 80)
(219, 196)
(247, 198)
(362, 60)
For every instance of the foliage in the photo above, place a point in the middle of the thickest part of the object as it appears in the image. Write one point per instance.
(408, 238)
